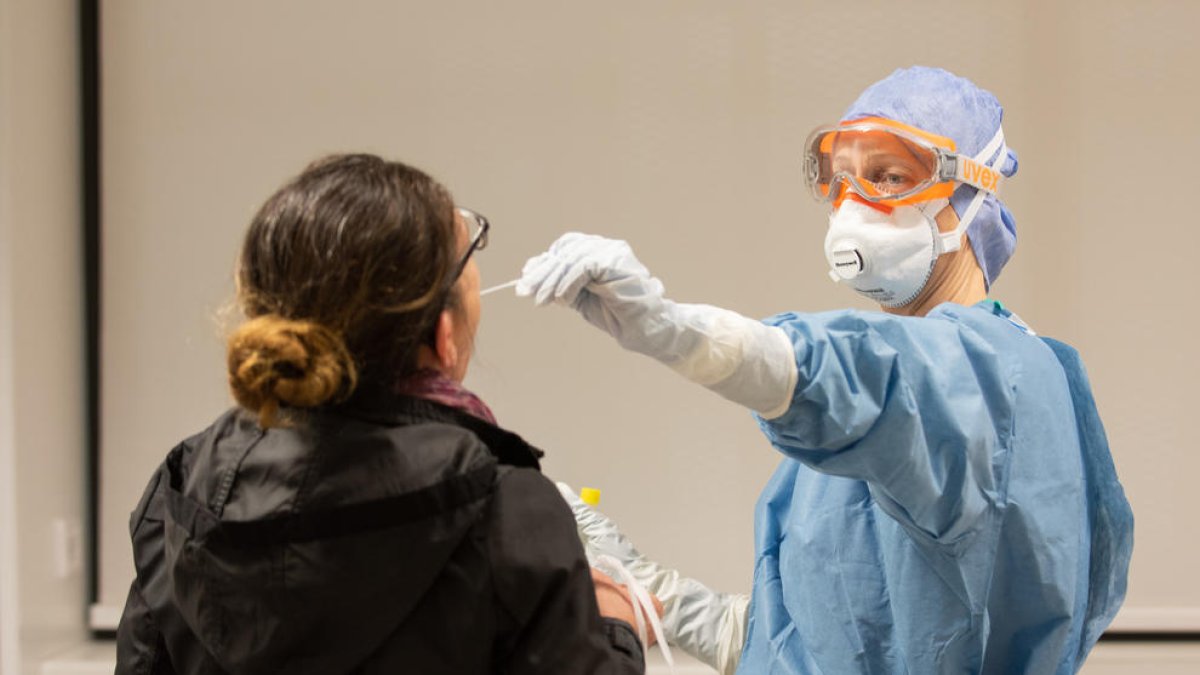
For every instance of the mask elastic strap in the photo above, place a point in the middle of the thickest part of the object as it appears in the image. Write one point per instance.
(952, 241)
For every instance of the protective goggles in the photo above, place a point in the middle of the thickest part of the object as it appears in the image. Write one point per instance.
(892, 164)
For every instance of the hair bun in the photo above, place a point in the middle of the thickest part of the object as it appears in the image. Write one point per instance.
(275, 361)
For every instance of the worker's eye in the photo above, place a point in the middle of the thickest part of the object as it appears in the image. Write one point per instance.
(891, 180)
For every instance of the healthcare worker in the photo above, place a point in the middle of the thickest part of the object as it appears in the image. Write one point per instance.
(948, 502)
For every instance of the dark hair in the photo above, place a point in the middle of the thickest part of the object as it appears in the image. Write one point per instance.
(343, 272)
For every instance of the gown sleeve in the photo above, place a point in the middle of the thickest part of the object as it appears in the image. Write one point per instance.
(918, 408)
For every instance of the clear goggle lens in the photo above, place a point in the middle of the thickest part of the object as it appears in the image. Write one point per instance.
(880, 163)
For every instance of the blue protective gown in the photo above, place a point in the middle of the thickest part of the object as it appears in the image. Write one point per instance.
(948, 502)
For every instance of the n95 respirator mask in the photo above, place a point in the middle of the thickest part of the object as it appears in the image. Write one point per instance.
(886, 255)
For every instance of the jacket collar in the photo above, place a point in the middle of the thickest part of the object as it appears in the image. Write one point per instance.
(398, 409)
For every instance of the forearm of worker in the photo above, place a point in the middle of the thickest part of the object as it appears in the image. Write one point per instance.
(917, 408)
(707, 624)
(742, 359)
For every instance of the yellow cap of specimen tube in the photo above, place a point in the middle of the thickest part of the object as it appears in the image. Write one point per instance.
(590, 496)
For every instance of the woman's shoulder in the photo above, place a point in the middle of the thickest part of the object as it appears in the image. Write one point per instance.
(528, 489)
(530, 529)
(353, 460)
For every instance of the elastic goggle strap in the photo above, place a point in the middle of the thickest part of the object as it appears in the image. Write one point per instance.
(976, 173)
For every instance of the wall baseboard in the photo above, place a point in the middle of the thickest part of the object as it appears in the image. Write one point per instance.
(1157, 620)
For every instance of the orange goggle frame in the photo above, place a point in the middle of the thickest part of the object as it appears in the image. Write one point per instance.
(937, 153)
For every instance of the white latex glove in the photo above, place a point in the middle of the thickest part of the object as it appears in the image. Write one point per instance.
(741, 359)
(709, 625)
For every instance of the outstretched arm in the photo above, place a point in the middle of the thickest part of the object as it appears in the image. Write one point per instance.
(739, 358)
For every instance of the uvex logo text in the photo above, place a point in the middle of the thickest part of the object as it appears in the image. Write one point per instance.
(979, 175)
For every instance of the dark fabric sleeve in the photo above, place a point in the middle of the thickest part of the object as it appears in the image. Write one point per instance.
(140, 648)
(549, 617)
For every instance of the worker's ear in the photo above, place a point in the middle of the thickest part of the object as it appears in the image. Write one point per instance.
(947, 220)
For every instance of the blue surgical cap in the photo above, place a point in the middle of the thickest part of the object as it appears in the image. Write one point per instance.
(942, 103)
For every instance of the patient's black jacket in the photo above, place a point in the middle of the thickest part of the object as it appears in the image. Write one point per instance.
(389, 535)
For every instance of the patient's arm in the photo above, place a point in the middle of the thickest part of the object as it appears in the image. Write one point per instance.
(707, 624)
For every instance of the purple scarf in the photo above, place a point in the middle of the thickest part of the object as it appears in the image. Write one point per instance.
(434, 386)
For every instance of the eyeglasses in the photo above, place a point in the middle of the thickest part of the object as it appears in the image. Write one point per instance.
(477, 229)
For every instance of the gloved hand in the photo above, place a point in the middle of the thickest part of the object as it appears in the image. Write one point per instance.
(603, 280)
(709, 625)
(739, 358)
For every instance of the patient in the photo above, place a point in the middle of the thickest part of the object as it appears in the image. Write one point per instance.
(360, 510)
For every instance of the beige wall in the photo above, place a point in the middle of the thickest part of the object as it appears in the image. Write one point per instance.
(678, 126)
(9, 656)
(41, 327)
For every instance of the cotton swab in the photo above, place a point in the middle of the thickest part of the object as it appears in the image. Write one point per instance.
(501, 287)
